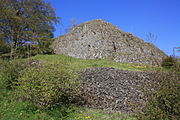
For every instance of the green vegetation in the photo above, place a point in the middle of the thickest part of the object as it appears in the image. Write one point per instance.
(169, 62)
(13, 110)
(46, 87)
(80, 64)
(24, 23)
(10, 71)
(95, 114)
(163, 102)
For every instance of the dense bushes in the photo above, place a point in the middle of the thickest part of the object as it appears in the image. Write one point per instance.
(49, 85)
(4, 47)
(164, 101)
(168, 62)
(43, 85)
(9, 72)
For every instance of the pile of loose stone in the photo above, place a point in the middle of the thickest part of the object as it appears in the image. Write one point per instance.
(119, 90)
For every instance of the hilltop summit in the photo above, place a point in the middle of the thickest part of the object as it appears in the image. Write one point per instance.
(100, 39)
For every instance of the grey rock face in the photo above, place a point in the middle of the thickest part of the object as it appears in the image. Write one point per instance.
(115, 89)
(100, 39)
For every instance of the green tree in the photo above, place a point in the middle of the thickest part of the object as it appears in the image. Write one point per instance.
(44, 42)
(25, 21)
(4, 47)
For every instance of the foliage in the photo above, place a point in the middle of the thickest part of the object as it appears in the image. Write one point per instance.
(11, 109)
(44, 44)
(48, 86)
(168, 62)
(44, 90)
(25, 21)
(29, 50)
(9, 72)
(4, 47)
(14, 110)
(163, 102)
(33, 78)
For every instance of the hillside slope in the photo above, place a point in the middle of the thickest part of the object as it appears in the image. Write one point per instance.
(107, 84)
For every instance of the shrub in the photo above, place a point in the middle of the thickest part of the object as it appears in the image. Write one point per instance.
(49, 85)
(9, 72)
(163, 102)
(168, 62)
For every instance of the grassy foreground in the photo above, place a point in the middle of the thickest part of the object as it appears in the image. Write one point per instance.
(13, 109)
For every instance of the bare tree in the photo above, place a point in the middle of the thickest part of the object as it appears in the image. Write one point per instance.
(175, 50)
(73, 23)
(151, 37)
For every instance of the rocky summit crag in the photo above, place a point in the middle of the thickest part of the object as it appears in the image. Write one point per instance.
(100, 39)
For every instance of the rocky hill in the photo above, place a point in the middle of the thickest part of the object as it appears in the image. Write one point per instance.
(100, 39)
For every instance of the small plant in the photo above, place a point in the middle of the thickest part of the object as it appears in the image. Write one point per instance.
(168, 62)
(48, 86)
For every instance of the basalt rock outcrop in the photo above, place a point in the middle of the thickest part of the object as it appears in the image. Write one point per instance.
(100, 39)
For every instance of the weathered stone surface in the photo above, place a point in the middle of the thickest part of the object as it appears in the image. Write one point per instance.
(115, 89)
(100, 39)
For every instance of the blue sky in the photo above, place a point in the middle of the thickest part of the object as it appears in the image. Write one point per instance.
(160, 17)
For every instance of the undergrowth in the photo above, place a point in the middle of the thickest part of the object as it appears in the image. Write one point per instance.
(31, 91)
(163, 102)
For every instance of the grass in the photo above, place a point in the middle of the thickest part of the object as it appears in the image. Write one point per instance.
(96, 114)
(13, 109)
(80, 64)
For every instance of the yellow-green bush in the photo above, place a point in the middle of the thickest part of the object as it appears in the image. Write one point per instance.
(164, 102)
(9, 72)
(49, 85)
